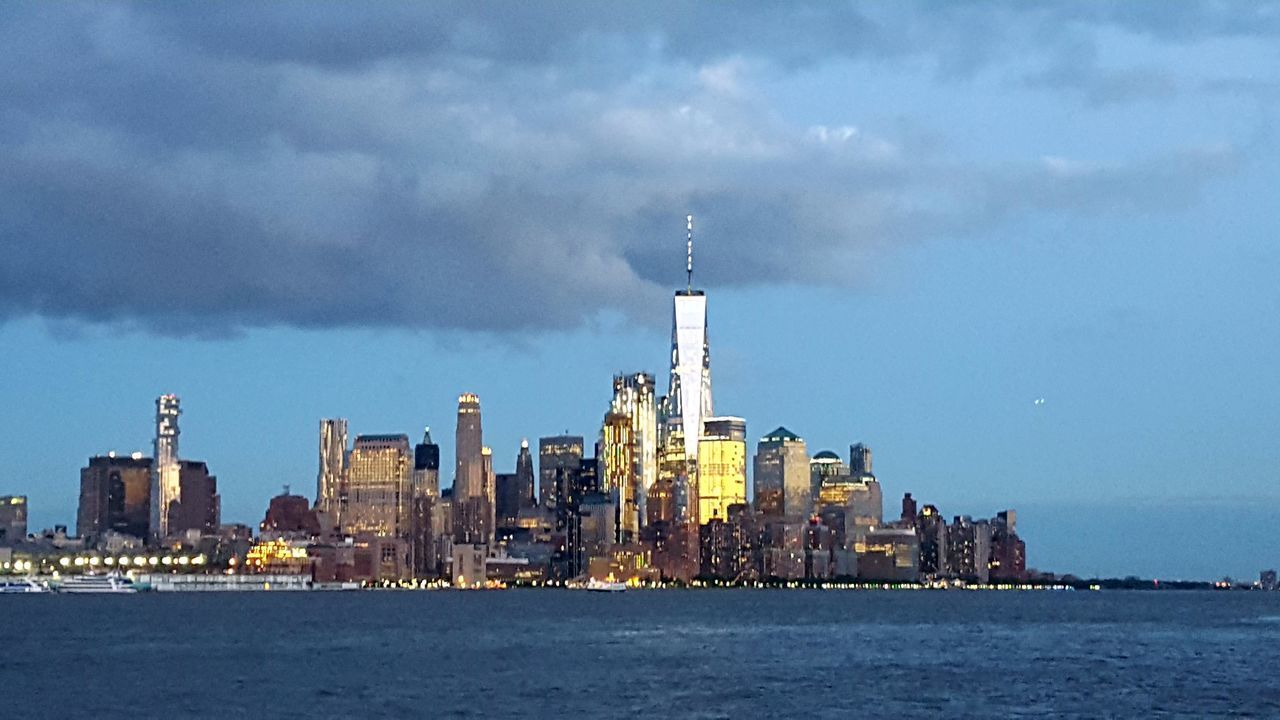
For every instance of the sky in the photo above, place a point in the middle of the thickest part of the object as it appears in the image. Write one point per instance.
(913, 221)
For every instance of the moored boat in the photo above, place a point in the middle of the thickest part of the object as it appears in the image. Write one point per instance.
(22, 585)
(594, 585)
(109, 583)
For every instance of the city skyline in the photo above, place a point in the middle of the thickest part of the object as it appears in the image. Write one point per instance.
(1029, 273)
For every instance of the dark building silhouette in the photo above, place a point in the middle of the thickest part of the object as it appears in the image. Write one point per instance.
(509, 494)
(908, 509)
(13, 519)
(525, 476)
(1008, 561)
(554, 453)
(290, 515)
(115, 496)
(931, 529)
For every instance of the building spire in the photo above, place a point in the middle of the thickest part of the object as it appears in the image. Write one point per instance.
(689, 263)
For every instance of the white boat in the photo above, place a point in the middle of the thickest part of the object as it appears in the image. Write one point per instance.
(109, 583)
(22, 585)
(594, 585)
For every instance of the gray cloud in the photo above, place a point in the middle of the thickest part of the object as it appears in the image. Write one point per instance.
(198, 168)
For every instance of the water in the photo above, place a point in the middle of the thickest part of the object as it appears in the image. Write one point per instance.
(699, 654)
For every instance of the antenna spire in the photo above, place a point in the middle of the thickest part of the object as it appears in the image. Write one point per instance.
(689, 263)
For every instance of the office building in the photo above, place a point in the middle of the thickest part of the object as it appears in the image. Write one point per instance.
(13, 519)
(525, 477)
(860, 460)
(331, 476)
(722, 467)
(115, 496)
(633, 396)
(890, 554)
(378, 487)
(782, 486)
(620, 478)
(473, 498)
(198, 507)
(689, 387)
(289, 517)
(825, 464)
(555, 453)
(1008, 561)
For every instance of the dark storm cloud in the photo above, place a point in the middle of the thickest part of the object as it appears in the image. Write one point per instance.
(200, 167)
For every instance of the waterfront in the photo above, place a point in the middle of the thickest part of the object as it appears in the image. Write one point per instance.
(707, 654)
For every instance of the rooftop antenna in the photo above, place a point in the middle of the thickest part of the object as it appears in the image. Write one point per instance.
(689, 263)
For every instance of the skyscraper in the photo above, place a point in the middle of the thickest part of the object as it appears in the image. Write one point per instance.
(621, 480)
(378, 486)
(722, 467)
(782, 487)
(472, 505)
(633, 396)
(525, 476)
(860, 460)
(115, 496)
(426, 467)
(556, 452)
(166, 487)
(689, 390)
(330, 478)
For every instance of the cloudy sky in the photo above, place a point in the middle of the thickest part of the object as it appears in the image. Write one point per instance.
(913, 220)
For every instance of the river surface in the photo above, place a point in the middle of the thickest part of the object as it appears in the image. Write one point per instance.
(686, 654)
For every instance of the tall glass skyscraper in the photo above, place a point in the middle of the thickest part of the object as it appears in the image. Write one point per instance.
(331, 477)
(379, 487)
(722, 467)
(782, 487)
(633, 399)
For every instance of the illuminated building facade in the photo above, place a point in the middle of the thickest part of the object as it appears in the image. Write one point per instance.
(331, 476)
(472, 484)
(782, 478)
(115, 496)
(689, 389)
(661, 503)
(633, 396)
(890, 554)
(825, 464)
(378, 486)
(620, 479)
(166, 485)
(13, 519)
(555, 453)
(722, 467)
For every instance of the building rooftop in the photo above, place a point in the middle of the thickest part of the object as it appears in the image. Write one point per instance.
(826, 455)
(781, 434)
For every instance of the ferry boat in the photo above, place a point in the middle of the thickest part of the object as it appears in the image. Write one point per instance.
(109, 583)
(22, 585)
(594, 585)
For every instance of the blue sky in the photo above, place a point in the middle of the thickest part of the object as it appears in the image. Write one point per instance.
(912, 221)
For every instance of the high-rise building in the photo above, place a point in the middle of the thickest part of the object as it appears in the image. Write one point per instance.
(507, 494)
(860, 460)
(13, 519)
(662, 504)
(115, 496)
(908, 509)
(689, 389)
(633, 396)
(198, 507)
(722, 467)
(620, 480)
(825, 464)
(165, 481)
(782, 486)
(554, 453)
(525, 476)
(426, 467)
(331, 477)
(969, 549)
(1008, 560)
(473, 483)
(931, 528)
(379, 486)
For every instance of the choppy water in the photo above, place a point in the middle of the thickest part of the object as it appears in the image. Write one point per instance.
(707, 654)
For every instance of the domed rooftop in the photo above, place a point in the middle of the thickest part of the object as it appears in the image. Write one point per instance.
(826, 455)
